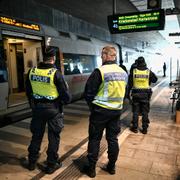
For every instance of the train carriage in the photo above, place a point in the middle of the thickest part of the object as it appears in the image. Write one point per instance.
(21, 47)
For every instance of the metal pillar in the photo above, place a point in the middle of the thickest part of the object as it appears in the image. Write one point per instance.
(114, 7)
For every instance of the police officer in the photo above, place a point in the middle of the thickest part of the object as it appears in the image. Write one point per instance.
(104, 93)
(140, 79)
(164, 69)
(47, 92)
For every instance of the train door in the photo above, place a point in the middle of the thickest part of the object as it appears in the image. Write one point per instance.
(17, 67)
(20, 68)
(21, 55)
(3, 78)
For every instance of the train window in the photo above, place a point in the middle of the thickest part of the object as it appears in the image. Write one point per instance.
(83, 38)
(3, 69)
(64, 34)
(72, 64)
(78, 64)
(88, 63)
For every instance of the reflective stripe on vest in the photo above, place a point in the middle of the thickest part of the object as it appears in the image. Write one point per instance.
(141, 79)
(112, 89)
(42, 82)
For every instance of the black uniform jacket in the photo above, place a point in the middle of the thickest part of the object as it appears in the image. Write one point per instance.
(62, 88)
(92, 87)
(152, 78)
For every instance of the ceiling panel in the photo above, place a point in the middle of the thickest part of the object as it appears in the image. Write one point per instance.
(93, 11)
(96, 12)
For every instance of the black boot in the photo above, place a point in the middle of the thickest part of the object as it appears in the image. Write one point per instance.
(51, 168)
(134, 130)
(110, 168)
(31, 166)
(90, 170)
(144, 131)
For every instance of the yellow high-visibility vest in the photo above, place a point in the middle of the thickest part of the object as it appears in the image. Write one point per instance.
(141, 79)
(112, 89)
(42, 82)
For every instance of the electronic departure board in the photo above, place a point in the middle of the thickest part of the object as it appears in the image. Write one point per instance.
(138, 21)
(18, 23)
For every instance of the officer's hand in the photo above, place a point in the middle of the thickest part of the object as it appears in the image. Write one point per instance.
(129, 99)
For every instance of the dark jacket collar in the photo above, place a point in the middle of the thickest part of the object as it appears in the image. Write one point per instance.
(43, 65)
(109, 62)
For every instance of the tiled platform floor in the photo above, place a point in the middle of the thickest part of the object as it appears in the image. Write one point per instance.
(154, 156)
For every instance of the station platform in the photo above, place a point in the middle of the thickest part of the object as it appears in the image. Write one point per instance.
(154, 156)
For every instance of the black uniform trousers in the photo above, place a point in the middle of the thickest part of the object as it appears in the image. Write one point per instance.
(99, 120)
(141, 105)
(42, 114)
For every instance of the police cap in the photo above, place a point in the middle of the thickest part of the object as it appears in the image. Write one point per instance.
(49, 52)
